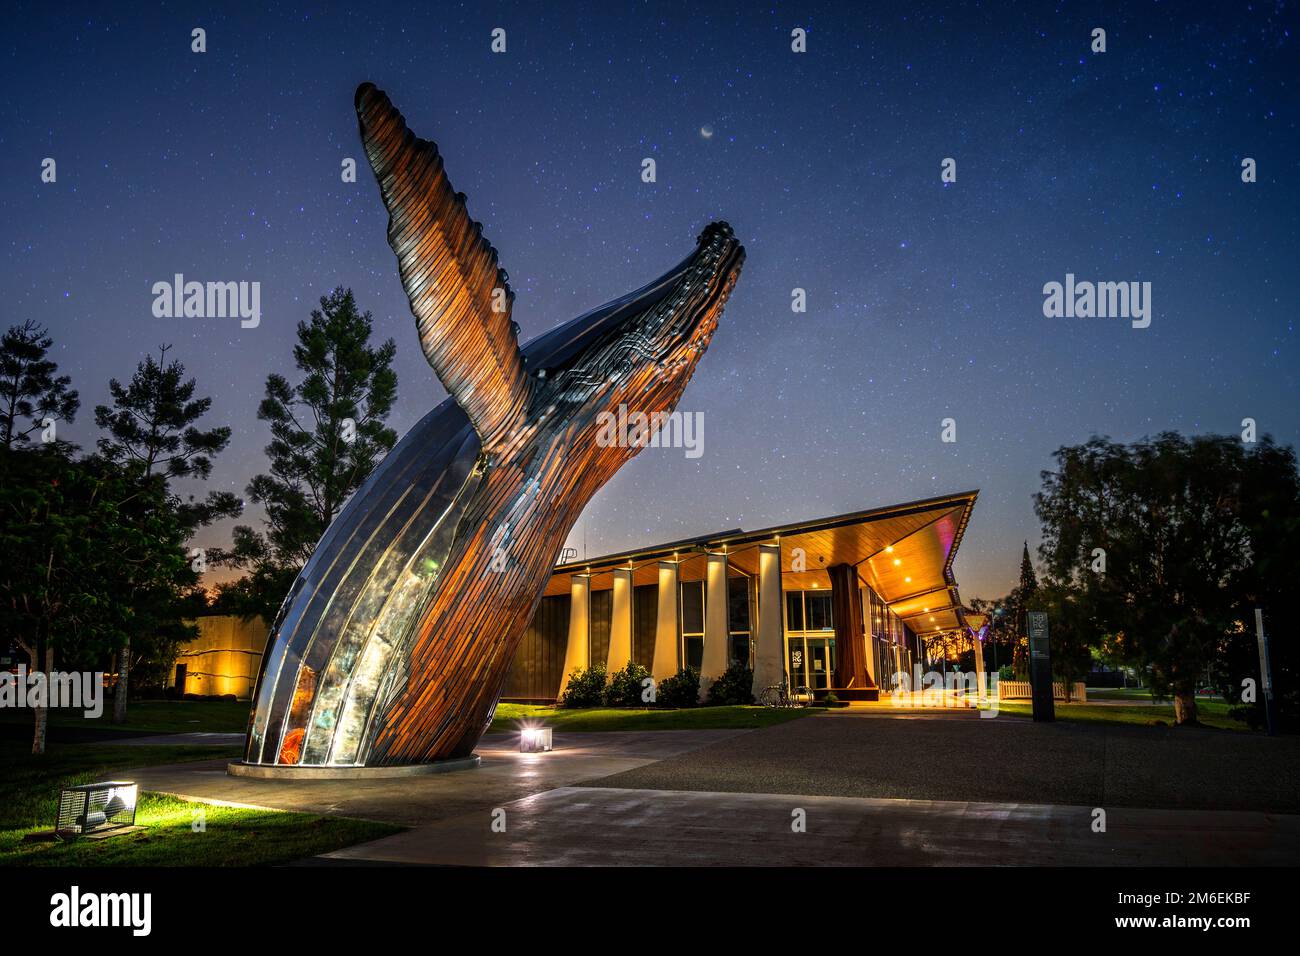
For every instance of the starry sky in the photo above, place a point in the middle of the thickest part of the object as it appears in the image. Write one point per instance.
(924, 299)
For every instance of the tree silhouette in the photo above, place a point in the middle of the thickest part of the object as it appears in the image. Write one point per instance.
(29, 386)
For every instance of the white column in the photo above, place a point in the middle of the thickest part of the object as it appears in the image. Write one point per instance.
(716, 636)
(668, 636)
(769, 655)
(577, 652)
(620, 625)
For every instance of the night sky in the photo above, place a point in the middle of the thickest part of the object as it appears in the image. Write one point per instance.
(925, 300)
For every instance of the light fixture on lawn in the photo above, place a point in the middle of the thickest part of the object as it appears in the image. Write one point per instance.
(96, 809)
(535, 740)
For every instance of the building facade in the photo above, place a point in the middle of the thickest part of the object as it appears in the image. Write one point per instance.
(833, 604)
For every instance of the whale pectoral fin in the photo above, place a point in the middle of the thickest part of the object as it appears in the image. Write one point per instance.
(461, 300)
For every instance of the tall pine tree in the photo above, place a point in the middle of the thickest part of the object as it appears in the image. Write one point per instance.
(1020, 599)
(31, 391)
(328, 432)
(152, 432)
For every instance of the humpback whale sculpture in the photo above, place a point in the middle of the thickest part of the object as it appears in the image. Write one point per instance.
(395, 641)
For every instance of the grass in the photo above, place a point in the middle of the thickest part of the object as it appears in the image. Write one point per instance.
(154, 716)
(508, 717)
(1211, 713)
(1121, 693)
(229, 836)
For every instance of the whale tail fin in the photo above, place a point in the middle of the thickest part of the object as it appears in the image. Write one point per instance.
(461, 299)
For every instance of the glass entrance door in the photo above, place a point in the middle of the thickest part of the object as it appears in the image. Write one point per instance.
(798, 664)
(821, 662)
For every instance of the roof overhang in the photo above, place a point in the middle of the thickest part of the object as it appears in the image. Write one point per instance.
(903, 552)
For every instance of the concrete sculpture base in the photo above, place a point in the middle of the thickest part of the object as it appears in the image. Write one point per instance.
(286, 772)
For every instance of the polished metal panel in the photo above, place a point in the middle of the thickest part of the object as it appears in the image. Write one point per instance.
(396, 639)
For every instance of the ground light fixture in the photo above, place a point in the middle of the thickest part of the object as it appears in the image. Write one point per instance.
(535, 740)
(96, 809)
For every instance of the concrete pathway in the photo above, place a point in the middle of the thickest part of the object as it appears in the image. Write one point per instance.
(955, 755)
(585, 826)
(877, 788)
(504, 776)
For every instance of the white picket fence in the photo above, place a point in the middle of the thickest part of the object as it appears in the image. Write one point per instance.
(1021, 690)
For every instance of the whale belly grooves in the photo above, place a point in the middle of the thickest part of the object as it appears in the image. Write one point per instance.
(405, 512)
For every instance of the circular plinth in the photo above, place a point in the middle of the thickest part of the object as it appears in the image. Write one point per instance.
(284, 772)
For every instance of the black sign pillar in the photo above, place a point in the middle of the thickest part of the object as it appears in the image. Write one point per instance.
(1040, 667)
(1265, 673)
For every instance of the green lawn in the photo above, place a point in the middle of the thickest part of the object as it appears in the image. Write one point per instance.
(508, 717)
(155, 716)
(1142, 694)
(230, 836)
(1211, 713)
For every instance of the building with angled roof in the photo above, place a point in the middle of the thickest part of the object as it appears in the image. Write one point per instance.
(830, 604)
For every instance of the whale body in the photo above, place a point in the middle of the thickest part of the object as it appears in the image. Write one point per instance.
(396, 639)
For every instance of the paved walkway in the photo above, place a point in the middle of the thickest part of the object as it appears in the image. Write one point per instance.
(586, 826)
(956, 755)
(916, 789)
(504, 776)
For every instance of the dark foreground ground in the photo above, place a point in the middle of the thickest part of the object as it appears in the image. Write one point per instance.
(1000, 759)
(881, 788)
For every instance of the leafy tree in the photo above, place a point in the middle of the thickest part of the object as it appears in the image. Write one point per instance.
(1270, 514)
(152, 431)
(30, 389)
(263, 588)
(77, 535)
(1167, 515)
(1074, 630)
(327, 435)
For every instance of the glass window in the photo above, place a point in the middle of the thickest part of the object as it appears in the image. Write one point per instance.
(738, 617)
(693, 607)
(740, 649)
(694, 652)
(794, 610)
(819, 610)
(738, 604)
(693, 624)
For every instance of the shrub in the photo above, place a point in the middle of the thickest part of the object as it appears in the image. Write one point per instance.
(735, 686)
(1006, 672)
(626, 686)
(680, 690)
(831, 698)
(585, 688)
